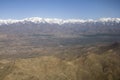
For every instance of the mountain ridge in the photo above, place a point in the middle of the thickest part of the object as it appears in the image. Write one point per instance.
(38, 20)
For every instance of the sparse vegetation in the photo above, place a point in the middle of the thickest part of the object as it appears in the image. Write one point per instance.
(91, 65)
(28, 53)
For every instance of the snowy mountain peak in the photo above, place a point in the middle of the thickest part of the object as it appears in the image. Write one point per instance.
(57, 21)
(110, 20)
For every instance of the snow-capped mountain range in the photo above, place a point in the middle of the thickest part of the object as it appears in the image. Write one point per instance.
(60, 27)
(38, 20)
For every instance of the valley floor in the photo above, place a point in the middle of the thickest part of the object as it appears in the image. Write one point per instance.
(96, 63)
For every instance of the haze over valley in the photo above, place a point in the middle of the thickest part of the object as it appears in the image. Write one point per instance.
(56, 49)
(59, 39)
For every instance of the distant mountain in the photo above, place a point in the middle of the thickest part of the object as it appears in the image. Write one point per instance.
(38, 20)
(56, 49)
(60, 27)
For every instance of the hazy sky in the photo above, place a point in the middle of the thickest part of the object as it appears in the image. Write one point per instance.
(65, 9)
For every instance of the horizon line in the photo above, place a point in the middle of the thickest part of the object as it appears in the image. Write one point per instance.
(61, 18)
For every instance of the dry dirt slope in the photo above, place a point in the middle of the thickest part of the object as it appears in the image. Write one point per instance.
(90, 67)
